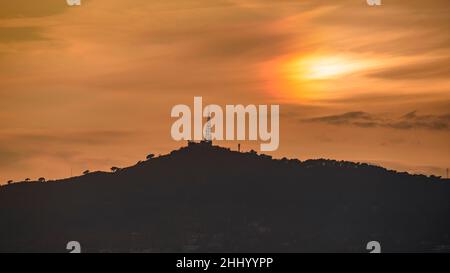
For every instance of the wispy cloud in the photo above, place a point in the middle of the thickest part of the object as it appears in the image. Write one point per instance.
(27, 9)
(439, 68)
(86, 137)
(410, 120)
(20, 34)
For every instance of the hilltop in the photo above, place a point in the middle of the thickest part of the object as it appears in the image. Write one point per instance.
(205, 198)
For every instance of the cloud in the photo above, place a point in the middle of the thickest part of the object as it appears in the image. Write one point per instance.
(8, 156)
(20, 34)
(251, 43)
(86, 137)
(27, 8)
(413, 120)
(410, 120)
(18, 147)
(391, 26)
(345, 118)
(439, 68)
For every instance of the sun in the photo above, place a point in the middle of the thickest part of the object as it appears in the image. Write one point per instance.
(313, 77)
(323, 68)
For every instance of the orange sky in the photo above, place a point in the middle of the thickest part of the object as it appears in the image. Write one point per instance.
(92, 86)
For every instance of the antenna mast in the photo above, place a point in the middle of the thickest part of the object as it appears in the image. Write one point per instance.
(208, 137)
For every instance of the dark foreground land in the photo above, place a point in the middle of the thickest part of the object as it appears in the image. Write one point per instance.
(205, 198)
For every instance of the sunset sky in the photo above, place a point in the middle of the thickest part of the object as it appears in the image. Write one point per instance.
(92, 86)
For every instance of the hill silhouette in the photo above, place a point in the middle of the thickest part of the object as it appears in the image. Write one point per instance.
(204, 198)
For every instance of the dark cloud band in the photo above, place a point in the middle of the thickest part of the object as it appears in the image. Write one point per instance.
(410, 120)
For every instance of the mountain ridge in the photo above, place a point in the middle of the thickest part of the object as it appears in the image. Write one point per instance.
(206, 198)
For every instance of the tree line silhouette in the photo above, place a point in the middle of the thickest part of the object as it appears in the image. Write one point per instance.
(205, 198)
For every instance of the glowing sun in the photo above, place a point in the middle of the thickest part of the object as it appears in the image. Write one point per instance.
(312, 77)
(323, 68)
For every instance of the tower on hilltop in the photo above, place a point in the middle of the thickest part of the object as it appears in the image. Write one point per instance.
(207, 139)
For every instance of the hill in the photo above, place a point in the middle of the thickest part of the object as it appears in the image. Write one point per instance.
(204, 198)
